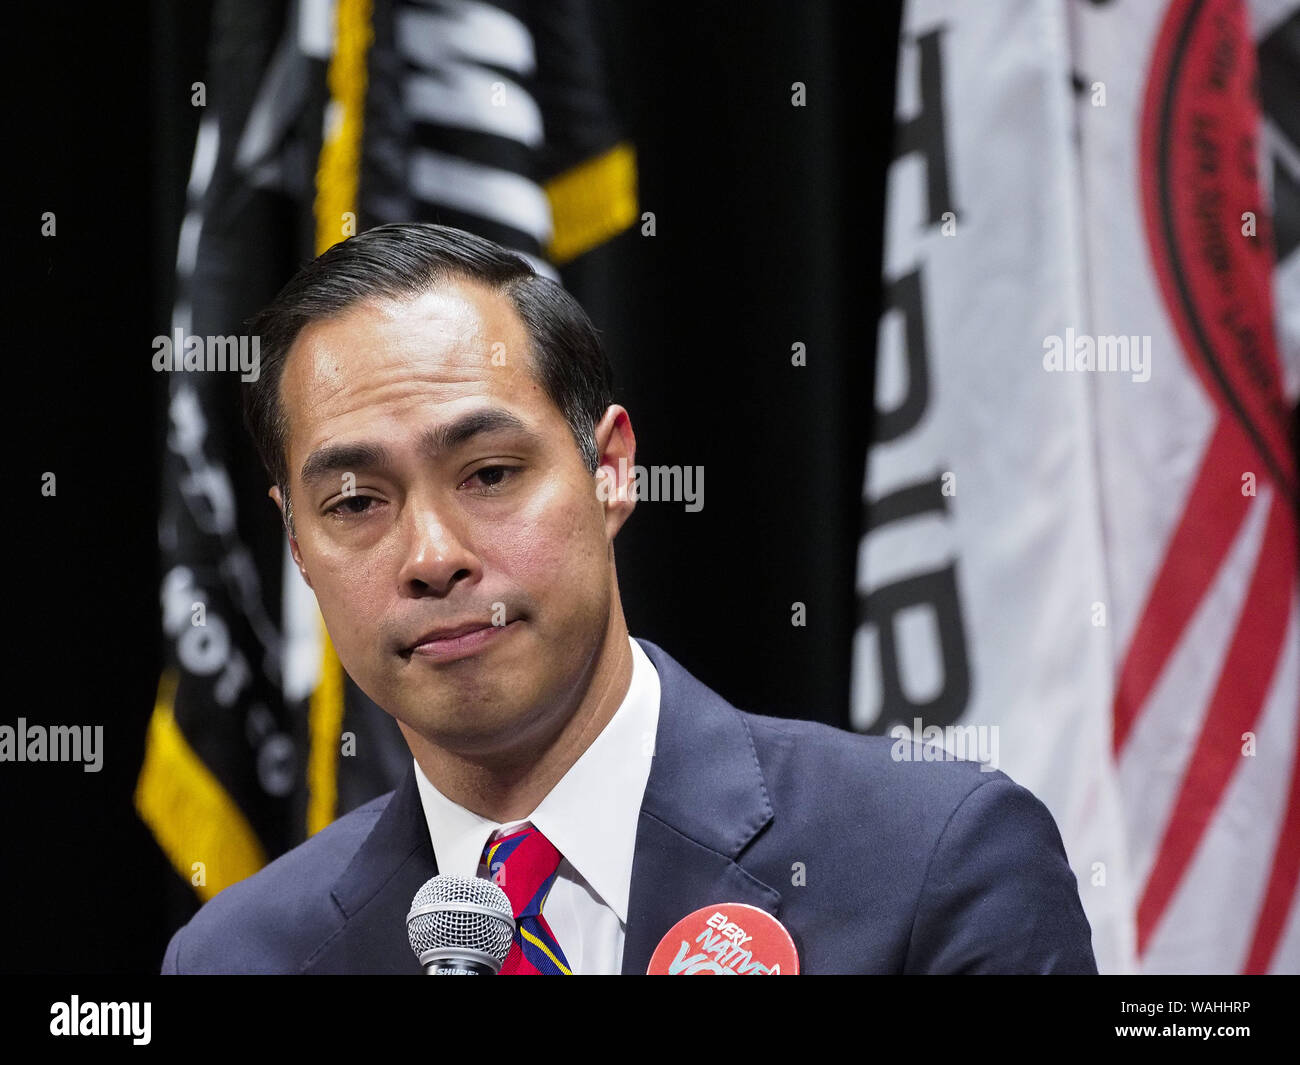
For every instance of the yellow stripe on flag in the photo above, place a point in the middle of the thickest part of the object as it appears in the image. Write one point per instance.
(191, 815)
(325, 725)
(338, 171)
(592, 202)
(338, 175)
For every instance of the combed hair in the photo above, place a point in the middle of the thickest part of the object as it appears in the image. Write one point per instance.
(404, 260)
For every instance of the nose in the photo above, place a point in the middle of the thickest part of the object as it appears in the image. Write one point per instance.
(436, 555)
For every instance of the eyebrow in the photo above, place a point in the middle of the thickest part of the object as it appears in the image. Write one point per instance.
(333, 459)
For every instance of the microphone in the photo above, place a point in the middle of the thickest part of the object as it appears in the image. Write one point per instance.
(460, 926)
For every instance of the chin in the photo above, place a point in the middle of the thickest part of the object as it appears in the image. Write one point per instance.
(465, 715)
(499, 738)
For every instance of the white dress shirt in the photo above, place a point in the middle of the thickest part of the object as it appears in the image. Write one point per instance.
(590, 816)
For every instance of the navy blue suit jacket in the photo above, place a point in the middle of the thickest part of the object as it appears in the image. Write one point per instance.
(906, 867)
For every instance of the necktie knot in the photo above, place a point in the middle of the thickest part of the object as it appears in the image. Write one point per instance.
(524, 864)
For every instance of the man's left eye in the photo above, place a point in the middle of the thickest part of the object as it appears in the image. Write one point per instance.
(492, 476)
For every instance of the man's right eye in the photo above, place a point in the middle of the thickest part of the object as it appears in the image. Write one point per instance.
(346, 507)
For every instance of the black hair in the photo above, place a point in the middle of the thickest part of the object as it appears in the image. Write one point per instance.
(406, 259)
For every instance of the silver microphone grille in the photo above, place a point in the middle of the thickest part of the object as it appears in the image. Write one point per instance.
(461, 913)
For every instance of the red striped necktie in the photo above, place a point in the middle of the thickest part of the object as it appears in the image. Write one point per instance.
(524, 864)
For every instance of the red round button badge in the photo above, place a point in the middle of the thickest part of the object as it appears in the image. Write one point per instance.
(727, 939)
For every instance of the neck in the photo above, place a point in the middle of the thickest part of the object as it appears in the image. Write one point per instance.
(510, 788)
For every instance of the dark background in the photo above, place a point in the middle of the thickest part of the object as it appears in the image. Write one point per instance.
(769, 222)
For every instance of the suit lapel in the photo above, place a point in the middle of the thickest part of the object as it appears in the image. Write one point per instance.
(704, 802)
(375, 892)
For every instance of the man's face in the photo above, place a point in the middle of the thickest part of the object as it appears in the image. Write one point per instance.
(436, 486)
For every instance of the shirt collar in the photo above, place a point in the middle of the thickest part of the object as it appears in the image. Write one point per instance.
(592, 813)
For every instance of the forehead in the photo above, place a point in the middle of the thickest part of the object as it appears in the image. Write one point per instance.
(393, 363)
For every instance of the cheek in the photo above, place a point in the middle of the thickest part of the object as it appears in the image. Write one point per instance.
(349, 589)
(556, 546)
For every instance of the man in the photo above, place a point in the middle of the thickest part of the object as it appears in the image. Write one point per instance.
(451, 473)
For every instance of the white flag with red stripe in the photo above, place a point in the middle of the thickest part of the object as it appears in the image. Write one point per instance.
(1081, 505)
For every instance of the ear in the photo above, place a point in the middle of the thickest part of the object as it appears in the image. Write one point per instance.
(274, 493)
(616, 445)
